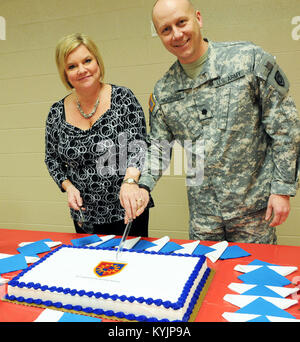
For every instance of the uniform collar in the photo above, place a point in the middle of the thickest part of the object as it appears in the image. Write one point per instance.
(210, 71)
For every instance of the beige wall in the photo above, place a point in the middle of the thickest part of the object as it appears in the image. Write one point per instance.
(29, 84)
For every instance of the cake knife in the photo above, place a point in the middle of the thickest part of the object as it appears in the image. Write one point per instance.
(124, 237)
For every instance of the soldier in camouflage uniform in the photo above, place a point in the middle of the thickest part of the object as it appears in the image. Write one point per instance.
(239, 108)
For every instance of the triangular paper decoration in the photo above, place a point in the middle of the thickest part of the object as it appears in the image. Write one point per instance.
(282, 270)
(233, 252)
(170, 247)
(110, 243)
(219, 249)
(103, 238)
(279, 290)
(243, 317)
(71, 317)
(13, 263)
(202, 250)
(260, 319)
(142, 245)
(240, 287)
(265, 308)
(260, 263)
(284, 291)
(158, 244)
(130, 243)
(243, 300)
(86, 240)
(283, 319)
(261, 290)
(34, 248)
(264, 276)
(238, 317)
(189, 248)
(49, 315)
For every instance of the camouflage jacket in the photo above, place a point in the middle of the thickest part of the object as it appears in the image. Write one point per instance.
(238, 109)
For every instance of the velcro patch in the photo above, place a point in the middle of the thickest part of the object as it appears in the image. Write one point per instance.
(273, 75)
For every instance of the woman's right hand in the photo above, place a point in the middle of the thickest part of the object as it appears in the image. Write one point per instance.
(74, 197)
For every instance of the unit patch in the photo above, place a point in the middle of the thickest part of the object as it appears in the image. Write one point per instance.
(107, 268)
(279, 79)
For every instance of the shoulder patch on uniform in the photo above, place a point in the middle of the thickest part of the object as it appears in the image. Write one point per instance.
(264, 68)
(278, 80)
(151, 103)
(270, 71)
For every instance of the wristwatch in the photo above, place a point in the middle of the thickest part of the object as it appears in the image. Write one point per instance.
(130, 181)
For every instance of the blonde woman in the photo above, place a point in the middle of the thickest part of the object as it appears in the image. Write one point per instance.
(88, 135)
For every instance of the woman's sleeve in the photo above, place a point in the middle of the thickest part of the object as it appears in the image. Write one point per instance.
(57, 169)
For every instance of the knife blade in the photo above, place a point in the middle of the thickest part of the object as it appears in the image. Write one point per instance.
(124, 237)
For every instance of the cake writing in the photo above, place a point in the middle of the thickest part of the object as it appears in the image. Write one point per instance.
(107, 268)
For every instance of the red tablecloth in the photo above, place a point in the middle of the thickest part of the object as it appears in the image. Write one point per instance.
(213, 306)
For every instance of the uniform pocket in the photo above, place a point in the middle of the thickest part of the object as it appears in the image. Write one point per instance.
(222, 107)
(180, 113)
(234, 105)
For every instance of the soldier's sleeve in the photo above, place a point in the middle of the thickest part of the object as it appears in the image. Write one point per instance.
(281, 122)
(160, 143)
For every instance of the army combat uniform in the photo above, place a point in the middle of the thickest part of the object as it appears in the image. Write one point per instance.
(238, 107)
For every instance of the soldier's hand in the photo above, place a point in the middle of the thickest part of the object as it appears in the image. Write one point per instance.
(279, 206)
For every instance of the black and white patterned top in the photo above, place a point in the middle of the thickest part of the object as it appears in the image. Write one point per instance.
(95, 160)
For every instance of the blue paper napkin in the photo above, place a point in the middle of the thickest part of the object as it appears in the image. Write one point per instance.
(262, 307)
(34, 248)
(261, 263)
(85, 240)
(260, 319)
(110, 243)
(13, 263)
(202, 250)
(170, 247)
(70, 317)
(261, 290)
(264, 276)
(232, 252)
(143, 244)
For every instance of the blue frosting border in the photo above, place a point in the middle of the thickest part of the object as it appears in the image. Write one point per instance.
(167, 304)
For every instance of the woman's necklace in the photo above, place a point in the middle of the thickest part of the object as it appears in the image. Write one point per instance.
(87, 116)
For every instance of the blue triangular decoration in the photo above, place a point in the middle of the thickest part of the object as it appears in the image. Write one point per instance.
(261, 263)
(143, 244)
(261, 290)
(260, 319)
(170, 247)
(264, 276)
(262, 307)
(202, 250)
(232, 252)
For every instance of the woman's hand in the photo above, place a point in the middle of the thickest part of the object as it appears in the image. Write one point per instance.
(134, 200)
(74, 198)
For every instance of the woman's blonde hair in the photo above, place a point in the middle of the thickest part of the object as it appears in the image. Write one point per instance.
(68, 44)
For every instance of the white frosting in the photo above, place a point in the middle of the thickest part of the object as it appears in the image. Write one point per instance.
(145, 275)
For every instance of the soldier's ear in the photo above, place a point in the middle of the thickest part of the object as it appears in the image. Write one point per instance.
(199, 18)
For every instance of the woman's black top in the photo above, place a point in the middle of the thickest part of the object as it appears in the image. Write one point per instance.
(95, 160)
